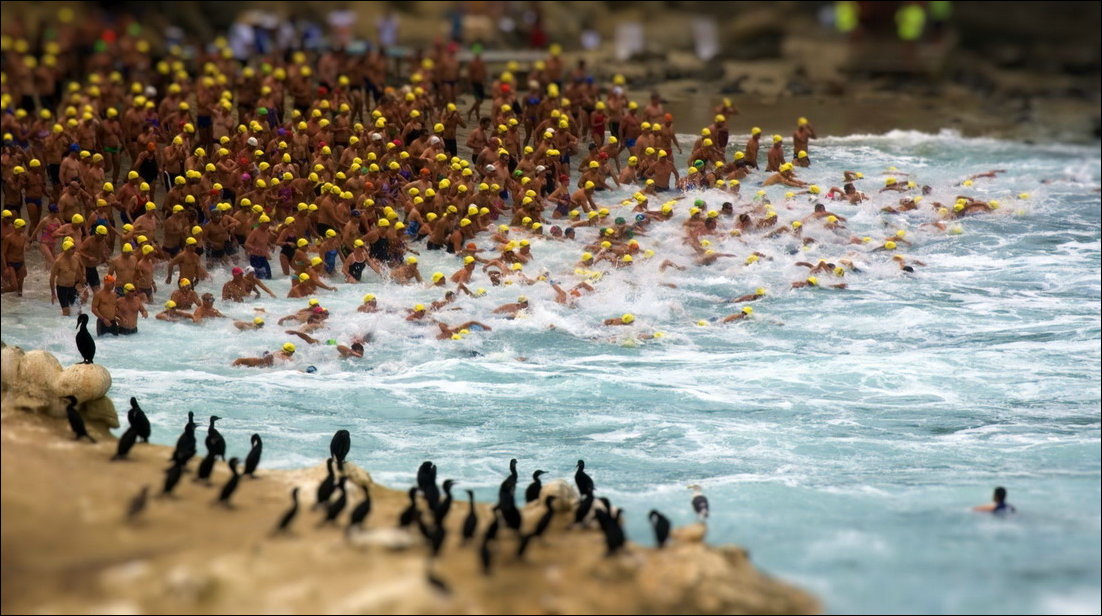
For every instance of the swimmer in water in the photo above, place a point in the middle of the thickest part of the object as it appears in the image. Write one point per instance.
(511, 310)
(998, 505)
(738, 316)
(206, 310)
(750, 297)
(625, 319)
(286, 353)
(255, 324)
(447, 332)
(172, 313)
(356, 349)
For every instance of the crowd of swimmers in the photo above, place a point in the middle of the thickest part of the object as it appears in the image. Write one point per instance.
(329, 169)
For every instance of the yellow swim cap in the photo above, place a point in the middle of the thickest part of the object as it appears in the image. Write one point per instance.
(184, 282)
(411, 260)
(303, 277)
(170, 304)
(747, 310)
(759, 291)
(627, 318)
(288, 347)
(813, 281)
(258, 320)
(889, 245)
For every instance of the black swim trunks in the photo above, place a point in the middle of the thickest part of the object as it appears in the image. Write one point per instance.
(66, 296)
(91, 276)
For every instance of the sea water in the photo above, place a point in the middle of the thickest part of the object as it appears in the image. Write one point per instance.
(841, 436)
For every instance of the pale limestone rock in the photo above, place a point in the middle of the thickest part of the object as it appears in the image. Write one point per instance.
(690, 533)
(9, 365)
(357, 475)
(84, 381)
(100, 411)
(566, 496)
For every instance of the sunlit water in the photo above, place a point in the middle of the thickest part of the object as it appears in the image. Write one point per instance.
(840, 435)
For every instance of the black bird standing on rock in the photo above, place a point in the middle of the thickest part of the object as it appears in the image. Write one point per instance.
(185, 445)
(584, 481)
(541, 527)
(253, 459)
(359, 514)
(484, 554)
(76, 422)
(172, 477)
(700, 503)
(339, 447)
(584, 507)
(139, 421)
(216, 445)
(206, 467)
(137, 504)
(533, 492)
(510, 482)
(126, 441)
(661, 526)
(470, 523)
(288, 516)
(409, 514)
(441, 510)
(327, 485)
(231, 485)
(426, 482)
(610, 526)
(333, 511)
(86, 345)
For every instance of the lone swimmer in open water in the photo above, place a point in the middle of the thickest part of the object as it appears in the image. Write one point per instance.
(998, 505)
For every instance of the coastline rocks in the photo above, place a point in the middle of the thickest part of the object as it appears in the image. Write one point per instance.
(86, 382)
(566, 497)
(35, 382)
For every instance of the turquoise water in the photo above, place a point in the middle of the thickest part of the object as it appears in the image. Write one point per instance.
(841, 436)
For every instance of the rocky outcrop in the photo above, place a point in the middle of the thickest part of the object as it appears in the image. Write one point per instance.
(35, 382)
(69, 548)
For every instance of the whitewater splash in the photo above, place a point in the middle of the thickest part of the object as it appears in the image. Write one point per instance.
(840, 435)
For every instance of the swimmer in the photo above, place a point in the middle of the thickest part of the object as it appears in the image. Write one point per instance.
(172, 313)
(758, 293)
(569, 298)
(255, 324)
(356, 349)
(625, 319)
(998, 505)
(738, 316)
(447, 332)
(511, 310)
(285, 353)
(307, 285)
(812, 281)
(370, 304)
(206, 310)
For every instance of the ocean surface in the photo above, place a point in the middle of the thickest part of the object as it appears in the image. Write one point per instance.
(841, 435)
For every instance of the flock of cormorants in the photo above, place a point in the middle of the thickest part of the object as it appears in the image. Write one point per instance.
(332, 497)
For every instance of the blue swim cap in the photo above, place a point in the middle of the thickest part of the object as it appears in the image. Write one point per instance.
(311, 369)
